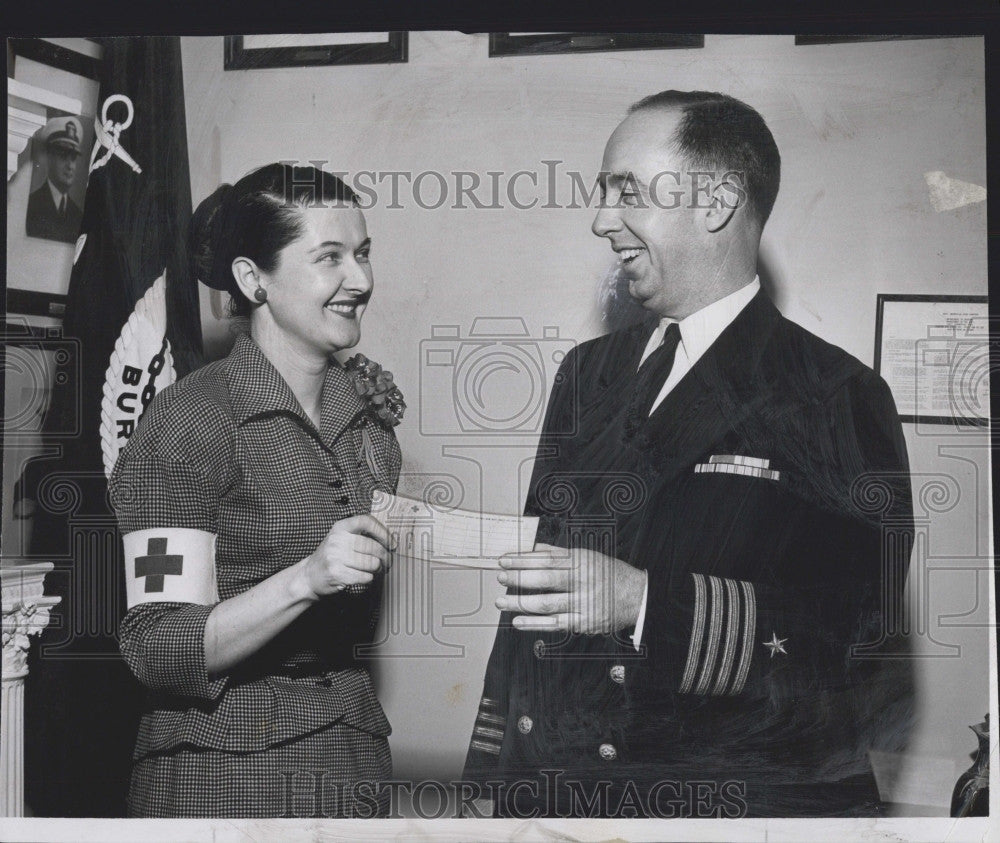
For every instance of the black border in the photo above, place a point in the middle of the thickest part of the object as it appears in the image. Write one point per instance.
(952, 421)
(967, 17)
(393, 50)
(505, 44)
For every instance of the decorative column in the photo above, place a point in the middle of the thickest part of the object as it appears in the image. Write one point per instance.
(26, 114)
(25, 612)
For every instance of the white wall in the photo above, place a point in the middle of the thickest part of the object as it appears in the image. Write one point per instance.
(858, 126)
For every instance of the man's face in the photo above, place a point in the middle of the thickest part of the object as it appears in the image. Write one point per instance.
(650, 216)
(62, 166)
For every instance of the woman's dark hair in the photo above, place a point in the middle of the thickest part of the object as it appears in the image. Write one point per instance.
(256, 218)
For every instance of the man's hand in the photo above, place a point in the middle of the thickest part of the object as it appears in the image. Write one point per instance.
(575, 590)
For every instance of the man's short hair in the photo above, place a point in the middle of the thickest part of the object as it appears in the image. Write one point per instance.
(717, 132)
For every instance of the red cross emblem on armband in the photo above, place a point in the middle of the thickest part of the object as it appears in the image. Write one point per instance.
(157, 564)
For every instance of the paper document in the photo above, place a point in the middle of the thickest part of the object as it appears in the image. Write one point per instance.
(450, 535)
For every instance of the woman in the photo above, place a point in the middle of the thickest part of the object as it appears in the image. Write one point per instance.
(253, 567)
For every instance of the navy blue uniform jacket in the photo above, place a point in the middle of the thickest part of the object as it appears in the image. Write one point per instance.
(768, 498)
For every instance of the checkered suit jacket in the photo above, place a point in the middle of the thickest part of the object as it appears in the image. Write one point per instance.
(228, 450)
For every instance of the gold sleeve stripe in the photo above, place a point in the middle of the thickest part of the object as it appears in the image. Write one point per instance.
(714, 636)
(482, 746)
(492, 718)
(749, 633)
(731, 637)
(697, 633)
(487, 732)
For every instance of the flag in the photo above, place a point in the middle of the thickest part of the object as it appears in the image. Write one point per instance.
(82, 704)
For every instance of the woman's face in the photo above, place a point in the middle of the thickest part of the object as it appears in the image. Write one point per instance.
(317, 293)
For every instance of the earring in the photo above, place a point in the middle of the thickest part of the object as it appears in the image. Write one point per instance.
(260, 294)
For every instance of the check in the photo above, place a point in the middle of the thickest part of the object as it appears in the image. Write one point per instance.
(450, 535)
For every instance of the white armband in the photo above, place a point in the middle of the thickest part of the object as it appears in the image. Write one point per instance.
(170, 564)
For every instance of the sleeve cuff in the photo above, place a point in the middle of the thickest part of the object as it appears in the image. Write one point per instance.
(641, 620)
(723, 627)
(173, 652)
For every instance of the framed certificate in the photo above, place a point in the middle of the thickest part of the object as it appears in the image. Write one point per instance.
(254, 52)
(934, 352)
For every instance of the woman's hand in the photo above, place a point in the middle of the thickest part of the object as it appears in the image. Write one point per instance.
(352, 553)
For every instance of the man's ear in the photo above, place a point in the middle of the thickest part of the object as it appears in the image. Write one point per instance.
(247, 276)
(726, 196)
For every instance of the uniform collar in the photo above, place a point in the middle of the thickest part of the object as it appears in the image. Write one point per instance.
(705, 326)
(256, 388)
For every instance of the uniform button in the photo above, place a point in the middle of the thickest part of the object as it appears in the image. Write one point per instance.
(617, 673)
(524, 724)
(539, 648)
(337, 484)
(608, 751)
(344, 501)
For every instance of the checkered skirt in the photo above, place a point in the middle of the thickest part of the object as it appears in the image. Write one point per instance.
(332, 772)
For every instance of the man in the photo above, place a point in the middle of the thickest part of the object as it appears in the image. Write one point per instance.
(725, 525)
(52, 213)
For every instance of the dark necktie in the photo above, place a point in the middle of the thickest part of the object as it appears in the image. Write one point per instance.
(654, 371)
(62, 206)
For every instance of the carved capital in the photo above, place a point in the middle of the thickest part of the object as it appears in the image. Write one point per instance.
(25, 613)
(23, 620)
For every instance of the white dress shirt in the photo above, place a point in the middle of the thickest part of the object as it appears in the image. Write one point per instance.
(57, 194)
(698, 332)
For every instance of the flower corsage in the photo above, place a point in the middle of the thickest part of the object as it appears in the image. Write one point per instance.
(375, 386)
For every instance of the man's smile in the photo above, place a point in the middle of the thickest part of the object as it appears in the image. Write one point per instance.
(626, 256)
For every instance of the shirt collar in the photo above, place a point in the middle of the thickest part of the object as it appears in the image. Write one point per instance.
(257, 388)
(703, 327)
(57, 194)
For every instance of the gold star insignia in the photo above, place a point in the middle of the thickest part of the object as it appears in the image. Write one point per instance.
(775, 645)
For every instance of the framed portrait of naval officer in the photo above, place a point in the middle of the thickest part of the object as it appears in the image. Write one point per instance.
(58, 178)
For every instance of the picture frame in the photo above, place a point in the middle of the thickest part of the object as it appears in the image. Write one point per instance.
(55, 55)
(35, 303)
(40, 251)
(258, 52)
(934, 352)
(545, 43)
(810, 40)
